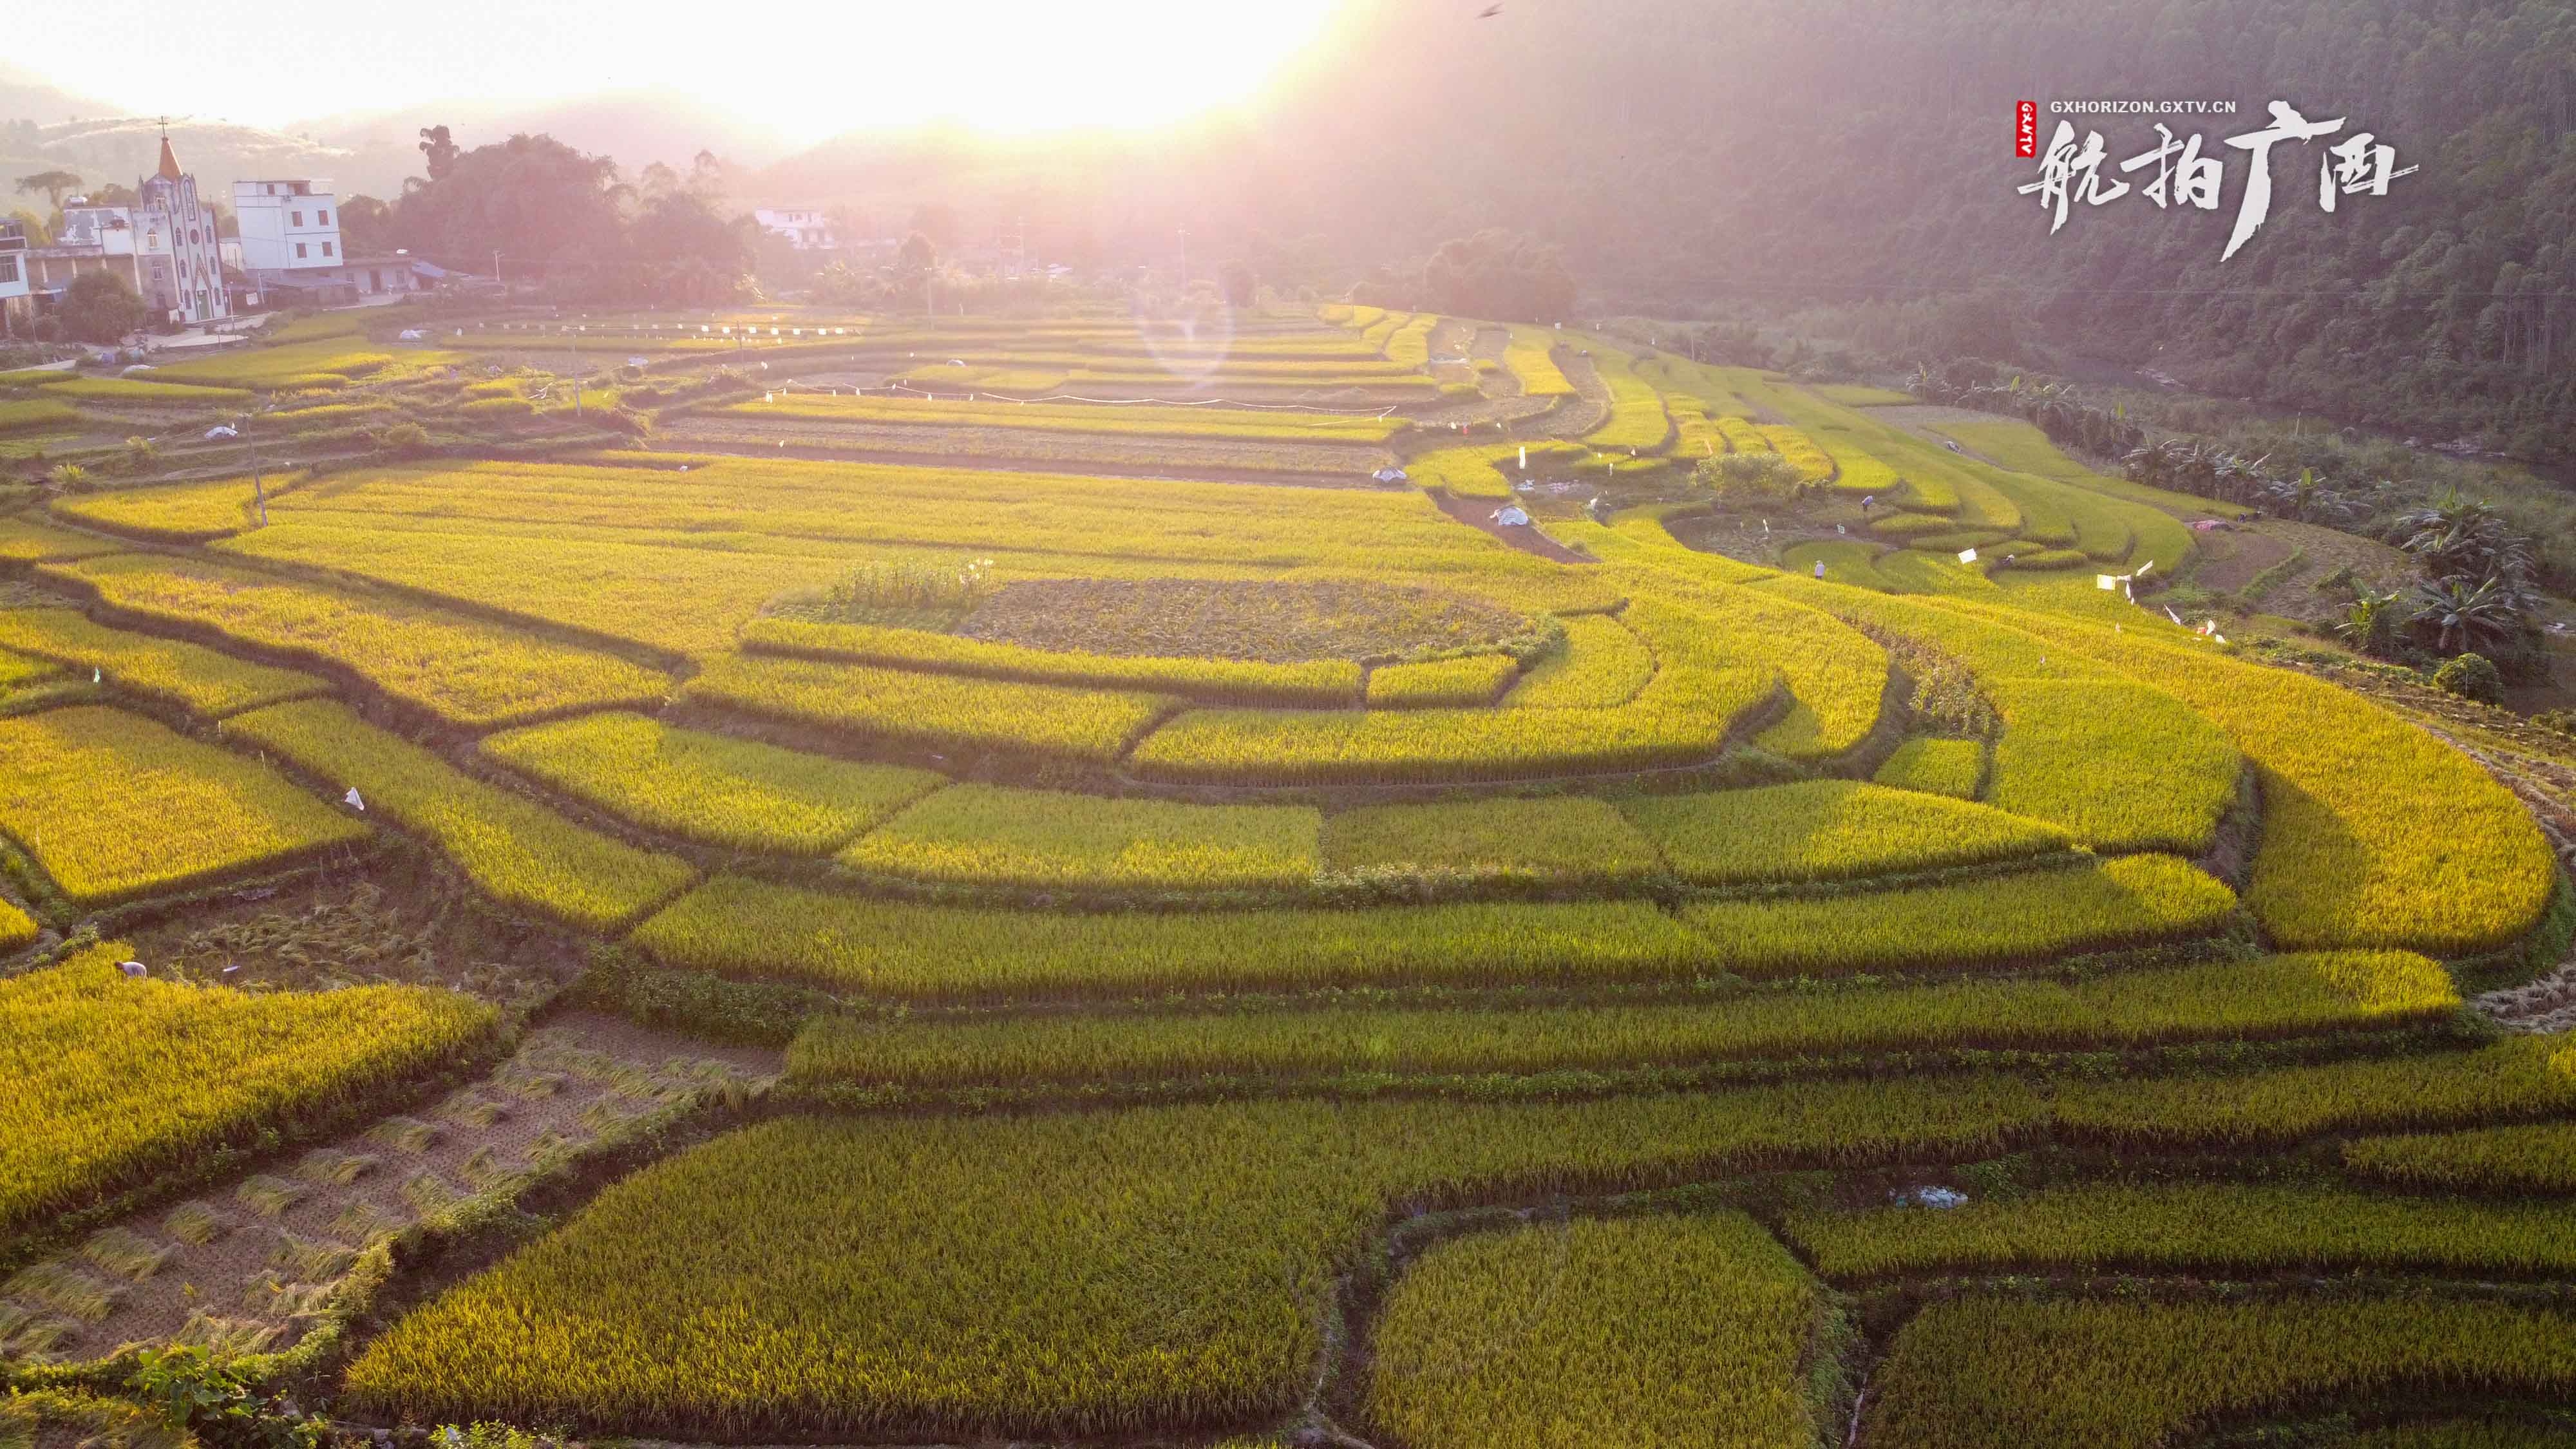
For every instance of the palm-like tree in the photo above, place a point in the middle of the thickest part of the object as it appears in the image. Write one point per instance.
(2457, 537)
(2458, 616)
(2374, 621)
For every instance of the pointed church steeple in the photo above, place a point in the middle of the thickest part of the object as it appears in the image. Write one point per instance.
(169, 159)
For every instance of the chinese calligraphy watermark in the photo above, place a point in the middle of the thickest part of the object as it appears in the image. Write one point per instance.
(2071, 172)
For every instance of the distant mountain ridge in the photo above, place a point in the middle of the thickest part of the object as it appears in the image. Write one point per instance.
(25, 94)
(367, 153)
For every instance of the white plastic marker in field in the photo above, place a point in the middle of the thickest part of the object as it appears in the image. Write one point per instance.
(2106, 582)
(351, 799)
(135, 969)
(2142, 568)
(2170, 614)
(1967, 555)
(94, 675)
(1524, 457)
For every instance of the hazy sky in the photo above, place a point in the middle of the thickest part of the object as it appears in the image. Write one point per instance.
(808, 70)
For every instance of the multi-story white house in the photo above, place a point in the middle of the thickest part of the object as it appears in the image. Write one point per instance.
(803, 228)
(16, 308)
(287, 225)
(164, 245)
(291, 252)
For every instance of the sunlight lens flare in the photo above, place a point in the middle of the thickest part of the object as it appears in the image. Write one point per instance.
(1040, 67)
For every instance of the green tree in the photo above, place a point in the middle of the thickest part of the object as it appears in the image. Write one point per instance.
(533, 198)
(440, 150)
(53, 183)
(1238, 282)
(2375, 621)
(366, 226)
(2490, 616)
(1504, 275)
(100, 307)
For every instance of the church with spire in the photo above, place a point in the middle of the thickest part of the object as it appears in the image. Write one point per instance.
(164, 244)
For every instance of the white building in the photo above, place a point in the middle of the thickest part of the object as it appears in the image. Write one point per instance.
(291, 253)
(804, 229)
(15, 308)
(164, 245)
(287, 225)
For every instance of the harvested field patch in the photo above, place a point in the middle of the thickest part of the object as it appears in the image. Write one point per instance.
(1217, 619)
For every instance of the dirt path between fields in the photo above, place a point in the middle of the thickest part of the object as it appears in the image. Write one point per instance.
(254, 1263)
(1584, 413)
(1478, 513)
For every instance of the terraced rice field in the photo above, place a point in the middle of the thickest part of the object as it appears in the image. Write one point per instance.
(976, 944)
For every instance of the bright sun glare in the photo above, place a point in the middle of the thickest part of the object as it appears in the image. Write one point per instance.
(1038, 66)
(807, 71)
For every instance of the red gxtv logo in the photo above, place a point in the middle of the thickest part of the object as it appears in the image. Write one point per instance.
(2025, 129)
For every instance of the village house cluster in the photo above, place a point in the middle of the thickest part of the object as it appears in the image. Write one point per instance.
(289, 253)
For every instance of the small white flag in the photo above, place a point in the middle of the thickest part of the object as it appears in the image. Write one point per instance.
(1967, 555)
(2170, 614)
(2214, 634)
(2142, 568)
(94, 676)
(1524, 457)
(2105, 581)
(351, 799)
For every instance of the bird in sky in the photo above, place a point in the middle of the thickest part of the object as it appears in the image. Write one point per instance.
(1489, 12)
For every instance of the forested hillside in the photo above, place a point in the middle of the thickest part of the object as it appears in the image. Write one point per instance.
(1685, 152)
(1863, 151)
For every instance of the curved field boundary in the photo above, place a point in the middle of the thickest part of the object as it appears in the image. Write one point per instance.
(1969, 1370)
(1431, 1050)
(2343, 858)
(114, 806)
(114, 1079)
(512, 849)
(1239, 1215)
(453, 666)
(1327, 683)
(252, 1264)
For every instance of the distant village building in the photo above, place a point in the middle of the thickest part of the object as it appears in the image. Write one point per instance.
(163, 245)
(17, 308)
(804, 229)
(291, 254)
(286, 224)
